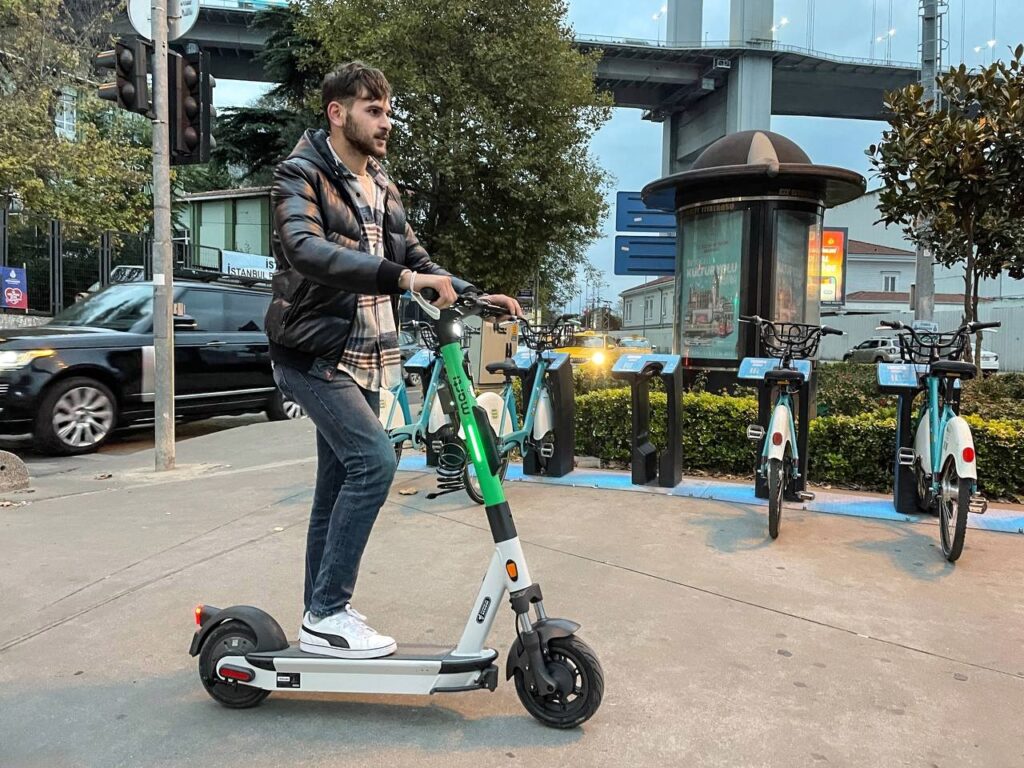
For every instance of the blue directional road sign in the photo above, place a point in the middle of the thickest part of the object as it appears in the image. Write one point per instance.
(645, 255)
(631, 215)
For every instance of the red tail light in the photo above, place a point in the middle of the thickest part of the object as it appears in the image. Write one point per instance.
(199, 615)
(776, 438)
(968, 454)
(236, 673)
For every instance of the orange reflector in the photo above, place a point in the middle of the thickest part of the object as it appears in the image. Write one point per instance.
(199, 615)
(513, 571)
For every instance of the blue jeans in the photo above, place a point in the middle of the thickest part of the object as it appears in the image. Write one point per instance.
(354, 469)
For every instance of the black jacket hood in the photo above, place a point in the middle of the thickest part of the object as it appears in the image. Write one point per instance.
(312, 146)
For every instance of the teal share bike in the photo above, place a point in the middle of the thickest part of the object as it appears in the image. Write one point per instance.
(395, 410)
(943, 456)
(791, 346)
(530, 366)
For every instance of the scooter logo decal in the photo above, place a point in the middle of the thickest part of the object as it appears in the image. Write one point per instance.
(484, 607)
(461, 397)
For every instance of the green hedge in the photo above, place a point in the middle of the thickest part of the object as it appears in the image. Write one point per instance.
(851, 389)
(714, 428)
(846, 451)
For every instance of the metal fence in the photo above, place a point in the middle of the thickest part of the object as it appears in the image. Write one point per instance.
(1007, 342)
(59, 267)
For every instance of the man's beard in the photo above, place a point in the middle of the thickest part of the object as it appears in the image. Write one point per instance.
(363, 142)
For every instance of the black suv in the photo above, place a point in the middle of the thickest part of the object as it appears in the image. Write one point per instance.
(91, 369)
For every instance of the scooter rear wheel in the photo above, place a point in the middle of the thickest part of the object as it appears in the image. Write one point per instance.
(954, 501)
(581, 685)
(232, 638)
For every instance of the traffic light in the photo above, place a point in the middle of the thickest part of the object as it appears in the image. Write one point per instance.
(130, 62)
(192, 111)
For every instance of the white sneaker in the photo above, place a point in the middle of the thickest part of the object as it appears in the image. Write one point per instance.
(344, 635)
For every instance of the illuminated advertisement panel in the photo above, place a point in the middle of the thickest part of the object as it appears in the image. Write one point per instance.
(833, 265)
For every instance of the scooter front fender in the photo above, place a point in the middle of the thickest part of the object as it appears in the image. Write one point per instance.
(547, 629)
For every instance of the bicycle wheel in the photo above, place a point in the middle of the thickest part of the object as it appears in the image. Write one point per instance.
(955, 496)
(472, 482)
(776, 488)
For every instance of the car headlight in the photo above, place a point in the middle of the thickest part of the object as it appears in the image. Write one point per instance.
(598, 358)
(11, 358)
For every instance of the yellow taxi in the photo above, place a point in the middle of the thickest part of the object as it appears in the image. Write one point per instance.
(593, 349)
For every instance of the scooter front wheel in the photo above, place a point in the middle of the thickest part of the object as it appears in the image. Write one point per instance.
(954, 500)
(776, 488)
(232, 638)
(580, 685)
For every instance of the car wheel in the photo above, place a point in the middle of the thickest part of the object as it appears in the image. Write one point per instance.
(847, 358)
(76, 416)
(280, 408)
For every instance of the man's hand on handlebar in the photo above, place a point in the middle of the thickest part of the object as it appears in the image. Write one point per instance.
(507, 302)
(441, 285)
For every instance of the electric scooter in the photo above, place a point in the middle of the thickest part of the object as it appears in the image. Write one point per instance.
(244, 654)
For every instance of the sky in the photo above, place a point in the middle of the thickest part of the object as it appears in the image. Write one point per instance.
(629, 148)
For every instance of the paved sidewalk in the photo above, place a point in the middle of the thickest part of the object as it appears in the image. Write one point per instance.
(848, 641)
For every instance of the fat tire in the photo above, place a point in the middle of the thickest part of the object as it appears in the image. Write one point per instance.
(547, 709)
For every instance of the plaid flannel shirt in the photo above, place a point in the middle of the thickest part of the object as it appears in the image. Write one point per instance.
(371, 355)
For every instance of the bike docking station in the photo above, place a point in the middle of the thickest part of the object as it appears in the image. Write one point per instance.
(646, 462)
(558, 378)
(904, 381)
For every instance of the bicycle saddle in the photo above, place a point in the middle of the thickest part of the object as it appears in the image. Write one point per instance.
(784, 374)
(954, 369)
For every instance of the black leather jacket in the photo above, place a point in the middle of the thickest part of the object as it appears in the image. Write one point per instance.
(320, 271)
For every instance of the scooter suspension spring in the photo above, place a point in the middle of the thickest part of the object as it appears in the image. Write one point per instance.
(450, 462)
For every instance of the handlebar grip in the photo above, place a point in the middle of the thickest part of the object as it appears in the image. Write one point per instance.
(894, 324)
(827, 330)
(983, 326)
(430, 294)
(748, 318)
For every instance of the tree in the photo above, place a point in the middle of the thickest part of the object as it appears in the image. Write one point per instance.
(95, 178)
(953, 175)
(494, 113)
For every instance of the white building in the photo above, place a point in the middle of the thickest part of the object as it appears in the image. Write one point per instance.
(891, 267)
(881, 268)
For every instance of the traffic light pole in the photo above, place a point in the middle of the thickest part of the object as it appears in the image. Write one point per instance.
(163, 258)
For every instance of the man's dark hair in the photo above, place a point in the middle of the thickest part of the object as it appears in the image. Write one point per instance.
(352, 81)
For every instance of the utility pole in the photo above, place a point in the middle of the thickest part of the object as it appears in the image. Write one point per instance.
(163, 258)
(931, 55)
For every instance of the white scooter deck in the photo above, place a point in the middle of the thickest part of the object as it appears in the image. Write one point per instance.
(414, 669)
